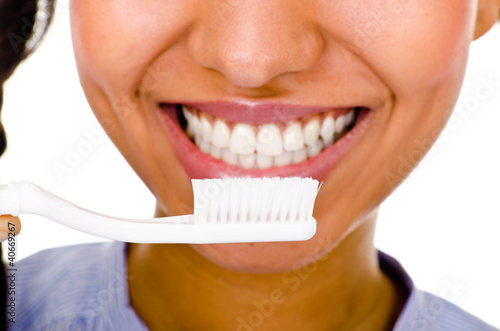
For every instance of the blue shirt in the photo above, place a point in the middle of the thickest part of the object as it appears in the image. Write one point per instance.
(85, 288)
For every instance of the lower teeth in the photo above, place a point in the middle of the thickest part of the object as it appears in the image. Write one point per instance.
(257, 161)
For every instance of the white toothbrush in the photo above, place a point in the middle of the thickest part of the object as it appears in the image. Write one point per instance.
(225, 211)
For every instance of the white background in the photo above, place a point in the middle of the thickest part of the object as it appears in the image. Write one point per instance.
(442, 224)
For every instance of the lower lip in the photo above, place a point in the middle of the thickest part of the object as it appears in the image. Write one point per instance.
(199, 165)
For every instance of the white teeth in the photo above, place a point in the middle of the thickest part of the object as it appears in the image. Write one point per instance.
(216, 152)
(220, 134)
(247, 161)
(264, 161)
(194, 125)
(293, 138)
(229, 157)
(327, 130)
(315, 149)
(197, 139)
(187, 114)
(349, 117)
(242, 139)
(269, 140)
(205, 146)
(339, 124)
(206, 129)
(283, 159)
(271, 146)
(190, 121)
(311, 131)
(300, 155)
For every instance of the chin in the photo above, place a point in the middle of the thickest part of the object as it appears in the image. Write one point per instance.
(257, 258)
(268, 257)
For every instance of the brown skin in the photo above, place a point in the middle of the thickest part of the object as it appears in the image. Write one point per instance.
(131, 56)
(7, 223)
(330, 294)
(254, 51)
(249, 51)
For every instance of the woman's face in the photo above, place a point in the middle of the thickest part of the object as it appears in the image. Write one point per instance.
(349, 92)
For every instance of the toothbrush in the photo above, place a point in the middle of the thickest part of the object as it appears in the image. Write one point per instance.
(231, 210)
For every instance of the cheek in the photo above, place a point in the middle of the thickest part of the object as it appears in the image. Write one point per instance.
(414, 46)
(116, 41)
(410, 44)
(419, 50)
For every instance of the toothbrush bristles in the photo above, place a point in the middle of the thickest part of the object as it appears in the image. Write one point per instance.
(254, 200)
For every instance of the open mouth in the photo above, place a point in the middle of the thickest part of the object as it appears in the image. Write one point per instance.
(223, 140)
(264, 145)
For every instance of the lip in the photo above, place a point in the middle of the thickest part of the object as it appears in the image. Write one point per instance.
(259, 113)
(199, 165)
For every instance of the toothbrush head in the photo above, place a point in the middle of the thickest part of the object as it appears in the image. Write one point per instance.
(279, 208)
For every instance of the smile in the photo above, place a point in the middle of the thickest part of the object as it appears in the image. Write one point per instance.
(262, 146)
(217, 142)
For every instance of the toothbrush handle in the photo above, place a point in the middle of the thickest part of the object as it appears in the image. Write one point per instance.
(25, 197)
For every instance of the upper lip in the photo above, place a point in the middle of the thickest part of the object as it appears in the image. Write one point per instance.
(258, 113)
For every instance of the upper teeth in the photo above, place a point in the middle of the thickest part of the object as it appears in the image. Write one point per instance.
(265, 145)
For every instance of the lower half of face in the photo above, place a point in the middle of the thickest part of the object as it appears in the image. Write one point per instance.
(350, 93)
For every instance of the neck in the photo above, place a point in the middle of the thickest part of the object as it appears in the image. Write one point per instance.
(173, 287)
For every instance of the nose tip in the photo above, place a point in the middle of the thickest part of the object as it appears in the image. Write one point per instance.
(253, 68)
(252, 49)
(249, 68)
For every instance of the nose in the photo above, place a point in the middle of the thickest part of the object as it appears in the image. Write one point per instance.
(252, 42)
